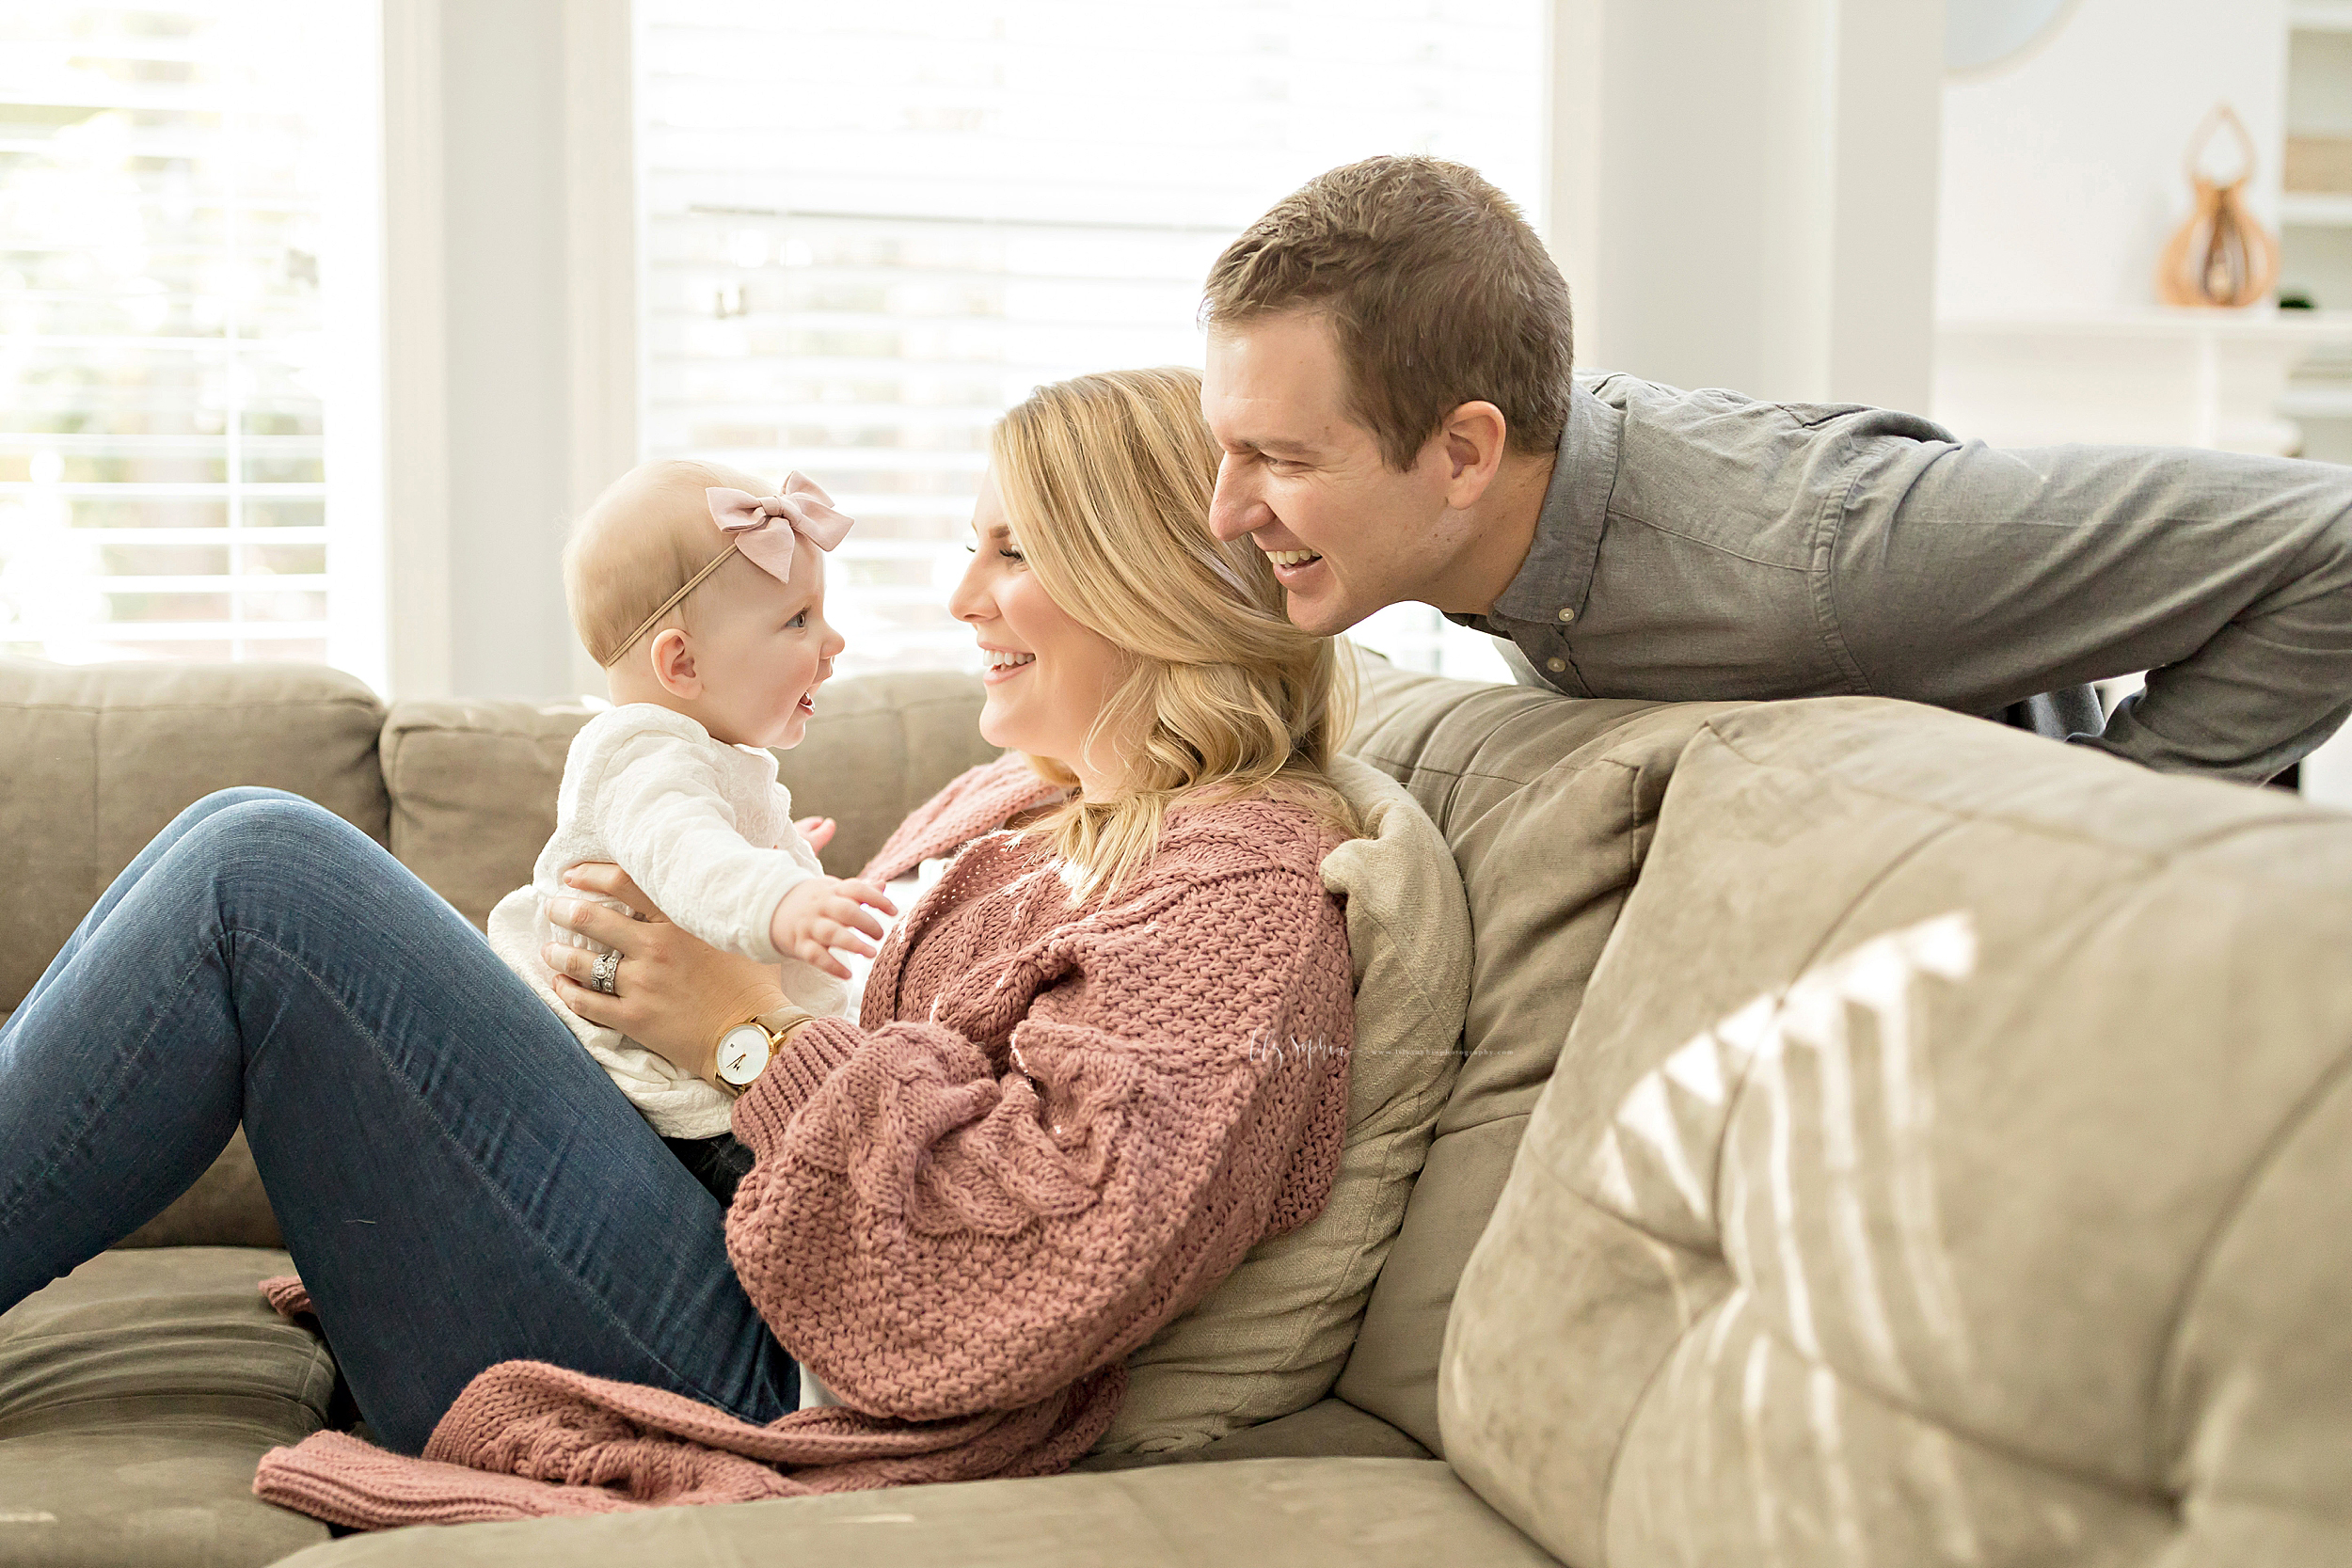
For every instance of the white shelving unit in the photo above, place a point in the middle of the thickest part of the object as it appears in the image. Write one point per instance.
(2305, 400)
(2320, 16)
(2315, 227)
(2315, 255)
(2314, 209)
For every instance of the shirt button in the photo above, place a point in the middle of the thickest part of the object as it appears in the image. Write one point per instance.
(1555, 665)
(1566, 614)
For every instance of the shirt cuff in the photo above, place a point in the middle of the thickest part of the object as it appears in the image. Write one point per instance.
(792, 1080)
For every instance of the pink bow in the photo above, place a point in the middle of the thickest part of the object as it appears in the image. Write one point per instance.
(803, 509)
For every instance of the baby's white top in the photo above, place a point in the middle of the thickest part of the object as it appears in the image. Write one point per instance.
(705, 829)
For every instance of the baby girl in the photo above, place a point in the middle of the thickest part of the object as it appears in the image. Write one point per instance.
(703, 600)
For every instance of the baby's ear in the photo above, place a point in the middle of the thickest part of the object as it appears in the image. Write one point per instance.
(673, 656)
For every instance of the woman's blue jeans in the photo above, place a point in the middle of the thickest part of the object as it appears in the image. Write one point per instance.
(458, 1181)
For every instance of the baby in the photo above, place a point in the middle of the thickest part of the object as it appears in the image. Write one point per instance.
(703, 600)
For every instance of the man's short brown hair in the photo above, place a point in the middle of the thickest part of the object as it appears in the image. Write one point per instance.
(1437, 291)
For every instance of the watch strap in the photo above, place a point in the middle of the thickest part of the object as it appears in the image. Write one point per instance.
(782, 1021)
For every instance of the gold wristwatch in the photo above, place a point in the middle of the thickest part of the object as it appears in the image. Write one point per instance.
(745, 1049)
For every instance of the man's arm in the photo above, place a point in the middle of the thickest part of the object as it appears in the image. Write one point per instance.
(1974, 577)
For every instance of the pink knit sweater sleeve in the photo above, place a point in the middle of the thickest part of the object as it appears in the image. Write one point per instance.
(966, 1213)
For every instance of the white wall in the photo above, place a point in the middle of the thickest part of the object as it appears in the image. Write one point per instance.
(509, 249)
(508, 390)
(2063, 171)
(1742, 191)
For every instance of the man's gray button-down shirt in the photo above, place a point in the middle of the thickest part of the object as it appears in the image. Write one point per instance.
(1703, 544)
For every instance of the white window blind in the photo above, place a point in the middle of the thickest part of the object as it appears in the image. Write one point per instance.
(178, 184)
(869, 230)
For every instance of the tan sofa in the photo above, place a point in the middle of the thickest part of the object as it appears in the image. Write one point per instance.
(1880, 1138)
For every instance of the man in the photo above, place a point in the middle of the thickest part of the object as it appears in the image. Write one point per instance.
(1388, 375)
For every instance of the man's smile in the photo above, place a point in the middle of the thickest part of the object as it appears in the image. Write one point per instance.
(1294, 569)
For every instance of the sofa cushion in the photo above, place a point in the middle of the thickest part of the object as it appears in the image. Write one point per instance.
(1327, 1429)
(472, 782)
(227, 1206)
(473, 787)
(1949, 1163)
(101, 756)
(1547, 804)
(1267, 1512)
(136, 1394)
(1271, 1338)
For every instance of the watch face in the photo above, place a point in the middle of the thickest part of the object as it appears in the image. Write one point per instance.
(742, 1052)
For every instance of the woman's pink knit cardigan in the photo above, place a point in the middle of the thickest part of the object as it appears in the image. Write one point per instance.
(1052, 1131)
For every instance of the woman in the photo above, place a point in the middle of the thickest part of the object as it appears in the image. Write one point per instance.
(1049, 1134)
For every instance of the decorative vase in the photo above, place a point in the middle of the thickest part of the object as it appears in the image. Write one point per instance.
(2221, 258)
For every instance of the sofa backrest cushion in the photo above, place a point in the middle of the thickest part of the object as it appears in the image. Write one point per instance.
(472, 782)
(1271, 1338)
(1547, 804)
(1952, 1160)
(100, 758)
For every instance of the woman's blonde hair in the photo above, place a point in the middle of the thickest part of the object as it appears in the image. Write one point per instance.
(1106, 481)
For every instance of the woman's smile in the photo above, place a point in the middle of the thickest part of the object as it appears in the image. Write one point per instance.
(1003, 663)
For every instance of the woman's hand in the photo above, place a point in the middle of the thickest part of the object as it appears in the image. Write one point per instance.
(674, 993)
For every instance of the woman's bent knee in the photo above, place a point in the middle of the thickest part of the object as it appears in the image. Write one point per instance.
(212, 808)
(222, 800)
(272, 832)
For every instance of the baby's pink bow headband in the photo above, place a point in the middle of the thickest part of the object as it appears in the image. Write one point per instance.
(765, 526)
(765, 529)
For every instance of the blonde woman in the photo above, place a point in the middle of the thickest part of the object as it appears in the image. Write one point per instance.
(1054, 1126)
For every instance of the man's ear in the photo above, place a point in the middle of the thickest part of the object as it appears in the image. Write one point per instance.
(673, 659)
(1473, 438)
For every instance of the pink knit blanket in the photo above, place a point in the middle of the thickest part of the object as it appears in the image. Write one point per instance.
(1056, 1131)
(525, 1439)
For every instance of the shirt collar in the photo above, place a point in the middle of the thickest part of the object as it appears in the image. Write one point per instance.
(1558, 571)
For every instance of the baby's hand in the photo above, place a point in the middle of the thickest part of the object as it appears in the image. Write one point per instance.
(824, 913)
(817, 831)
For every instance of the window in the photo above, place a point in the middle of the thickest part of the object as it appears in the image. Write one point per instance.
(184, 333)
(869, 230)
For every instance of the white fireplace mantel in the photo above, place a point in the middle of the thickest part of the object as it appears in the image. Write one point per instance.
(2153, 376)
